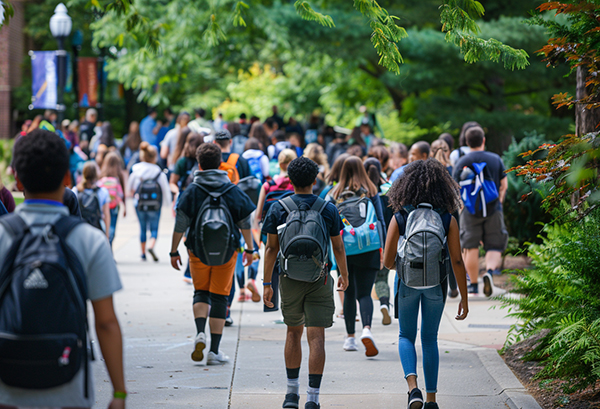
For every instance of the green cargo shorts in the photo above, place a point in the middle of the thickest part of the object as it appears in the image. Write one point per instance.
(308, 304)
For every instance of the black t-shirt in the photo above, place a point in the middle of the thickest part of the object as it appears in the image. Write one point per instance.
(86, 131)
(277, 215)
(494, 169)
(242, 165)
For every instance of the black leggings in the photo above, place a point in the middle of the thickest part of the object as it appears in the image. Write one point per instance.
(361, 280)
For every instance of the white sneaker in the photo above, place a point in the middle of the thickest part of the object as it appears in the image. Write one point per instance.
(488, 284)
(369, 343)
(387, 318)
(350, 344)
(216, 359)
(199, 345)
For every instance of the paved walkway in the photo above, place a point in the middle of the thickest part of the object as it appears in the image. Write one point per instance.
(156, 317)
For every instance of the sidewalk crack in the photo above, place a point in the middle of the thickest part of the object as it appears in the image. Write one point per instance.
(237, 348)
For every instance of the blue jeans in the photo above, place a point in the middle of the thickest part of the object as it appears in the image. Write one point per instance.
(148, 221)
(114, 215)
(431, 302)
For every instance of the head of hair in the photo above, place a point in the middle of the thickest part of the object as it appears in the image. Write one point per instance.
(73, 126)
(285, 157)
(271, 123)
(208, 156)
(181, 139)
(315, 152)
(91, 115)
(336, 169)
(440, 151)
(89, 176)
(357, 137)
(147, 153)
(112, 165)
(252, 143)
(463, 132)
(242, 115)
(183, 118)
(200, 112)
(380, 153)
(191, 145)
(279, 136)
(355, 150)
(446, 137)
(302, 172)
(425, 181)
(423, 147)
(475, 137)
(373, 169)
(41, 160)
(133, 137)
(234, 128)
(151, 110)
(100, 154)
(167, 111)
(353, 178)
(295, 139)
(107, 136)
(258, 131)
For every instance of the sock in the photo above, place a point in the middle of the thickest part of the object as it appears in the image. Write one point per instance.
(215, 340)
(200, 324)
(384, 301)
(314, 385)
(293, 381)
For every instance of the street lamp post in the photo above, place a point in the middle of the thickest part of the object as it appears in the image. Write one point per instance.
(60, 26)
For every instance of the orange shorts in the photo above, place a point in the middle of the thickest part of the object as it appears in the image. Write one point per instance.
(214, 279)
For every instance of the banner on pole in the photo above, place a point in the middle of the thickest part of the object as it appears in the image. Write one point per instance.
(44, 79)
(87, 71)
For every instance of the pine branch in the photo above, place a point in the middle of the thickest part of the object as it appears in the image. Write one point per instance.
(214, 33)
(238, 14)
(307, 13)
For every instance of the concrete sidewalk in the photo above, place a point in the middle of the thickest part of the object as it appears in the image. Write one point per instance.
(156, 316)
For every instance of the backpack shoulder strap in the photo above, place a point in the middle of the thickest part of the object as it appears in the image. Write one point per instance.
(401, 220)
(216, 194)
(65, 225)
(288, 204)
(446, 220)
(233, 158)
(319, 205)
(15, 225)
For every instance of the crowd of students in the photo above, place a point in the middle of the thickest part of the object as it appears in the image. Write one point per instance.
(317, 199)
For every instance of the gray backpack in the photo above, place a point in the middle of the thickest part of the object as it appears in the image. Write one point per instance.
(303, 241)
(422, 255)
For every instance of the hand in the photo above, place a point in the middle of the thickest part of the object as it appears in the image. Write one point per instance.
(342, 283)
(463, 309)
(247, 259)
(117, 404)
(256, 256)
(267, 296)
(124, 211)
(176, 262)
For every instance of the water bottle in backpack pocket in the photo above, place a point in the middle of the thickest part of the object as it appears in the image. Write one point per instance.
(149, 195)
(303, 241)
(362, 231)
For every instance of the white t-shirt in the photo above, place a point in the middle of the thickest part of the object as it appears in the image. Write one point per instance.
(170, 141)
(454, 156)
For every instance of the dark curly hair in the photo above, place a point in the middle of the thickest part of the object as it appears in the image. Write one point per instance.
(41, 160)
(302, 172)
(425, 182)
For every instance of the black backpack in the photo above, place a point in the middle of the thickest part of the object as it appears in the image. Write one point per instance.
(43, 317)
(149, 195)
(215, 230)
(303, 241)
(251, 185)
(89, 204)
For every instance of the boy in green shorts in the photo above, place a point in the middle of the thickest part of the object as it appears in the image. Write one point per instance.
(304, 304)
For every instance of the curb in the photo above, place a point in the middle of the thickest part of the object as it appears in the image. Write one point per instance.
(516, 394)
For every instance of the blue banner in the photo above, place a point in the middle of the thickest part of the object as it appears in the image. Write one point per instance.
(44, 80)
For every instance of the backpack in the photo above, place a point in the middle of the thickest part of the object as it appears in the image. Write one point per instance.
(238, 144)
(112, 185)
(476, 191)
(190, 174)
(362, 231)
(230, 168)
(215, 229)
(149, 195)
(251, 186)
(43, 316)
(275, 192)
(273, 168)
(279, 147)
(89, 203)
(303, 241)
(422, 257)
(255, 168)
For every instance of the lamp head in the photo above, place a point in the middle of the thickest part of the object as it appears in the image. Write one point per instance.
(60, 22)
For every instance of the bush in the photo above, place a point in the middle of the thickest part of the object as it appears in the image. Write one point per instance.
(6, 146)
(561, 299)
(522, 218)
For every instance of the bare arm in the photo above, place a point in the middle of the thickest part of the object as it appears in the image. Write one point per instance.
(391, 245)
(337, 245)
(260, 204)
(271, 250)
(106, 213)
(176, 239)
(247, 257)
(173, 183)
(503, 189)
(110, 340)
(459, 268)
(164, 151)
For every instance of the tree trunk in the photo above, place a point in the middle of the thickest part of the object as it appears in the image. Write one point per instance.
(586, 120)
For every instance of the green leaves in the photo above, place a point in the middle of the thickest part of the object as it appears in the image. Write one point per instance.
(238, 14)
(6, 12)
(307, 13)
(213, 33)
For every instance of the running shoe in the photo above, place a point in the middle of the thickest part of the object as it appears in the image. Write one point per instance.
(242, 297)
(291, 401)
(216, 359)
(431, 405)
(228, 322)
(488, 284)
(312, 405)
(415, 399)
(199, 345)
(369, 343)
(350, 344)
(153, 254)
(387, 318)
(472, 289)
(251, 286)
(143, 257)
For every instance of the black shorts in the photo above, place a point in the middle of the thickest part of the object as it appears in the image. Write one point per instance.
(491, 231)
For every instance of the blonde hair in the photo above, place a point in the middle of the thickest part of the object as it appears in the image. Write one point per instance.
(285, 157)
(89, 176)
(147, 153)
(314, 152)
(440, 151)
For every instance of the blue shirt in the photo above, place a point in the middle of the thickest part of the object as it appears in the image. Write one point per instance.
(147, 125)
(397, 173)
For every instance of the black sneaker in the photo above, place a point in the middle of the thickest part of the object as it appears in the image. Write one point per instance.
(488, 284)
(473, 289)
(415, 399)
(153, 254)
(431, 405)
(312, 405)
(291, 401)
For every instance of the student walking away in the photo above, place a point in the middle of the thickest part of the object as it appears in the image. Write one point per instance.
(463, 147)
(212, 245)
(258, 163)
(302, 226)
(131, 145)
(398, 157)
(483, 188)
(356, 139)
(418, 151)
(183, 173)
(169, 143)
(360, 208)
(236, 166)
(112, 180)
(333, 177)
(420, 238)
(86, 130)
(238, 140)
(336, 147)
(93, 200)
(315, 152)
(36, 372)
(258, 131)
(279, 143)
(150, 190)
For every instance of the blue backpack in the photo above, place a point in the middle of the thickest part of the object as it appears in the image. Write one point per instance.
(362, 231)
(477, 191)
(255, 168)
(43, 316)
